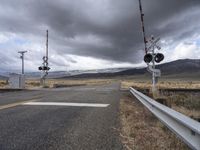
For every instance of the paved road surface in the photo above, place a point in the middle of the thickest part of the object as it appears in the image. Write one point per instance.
(52, 127)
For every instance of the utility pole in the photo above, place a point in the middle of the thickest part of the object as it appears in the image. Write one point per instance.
(47, 46)
(22, 57)
(44, 68)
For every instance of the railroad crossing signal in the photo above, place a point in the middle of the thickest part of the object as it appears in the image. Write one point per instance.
(151, 58)
(44, 68)
(151, 55)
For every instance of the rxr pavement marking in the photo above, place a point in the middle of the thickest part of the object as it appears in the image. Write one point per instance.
(66, 104)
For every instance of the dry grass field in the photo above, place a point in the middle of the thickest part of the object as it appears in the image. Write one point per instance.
(51, 83)
(167, 84)
(3, 84)
(187, 103)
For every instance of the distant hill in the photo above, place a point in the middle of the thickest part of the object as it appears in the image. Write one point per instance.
(183, 67)
(61, 74)
(3, 77)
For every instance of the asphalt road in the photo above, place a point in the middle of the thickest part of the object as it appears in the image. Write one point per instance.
(44, 127)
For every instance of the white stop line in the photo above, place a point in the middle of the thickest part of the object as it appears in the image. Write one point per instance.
(66, 104)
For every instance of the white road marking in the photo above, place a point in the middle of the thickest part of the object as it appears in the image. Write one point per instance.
(66, 104)
(18, 103)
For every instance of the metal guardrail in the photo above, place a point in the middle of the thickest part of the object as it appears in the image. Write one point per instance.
(187, 129)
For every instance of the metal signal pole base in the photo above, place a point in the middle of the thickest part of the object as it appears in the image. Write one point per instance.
(156, 73)
(43, 78)
(42, 82)
(155, 91)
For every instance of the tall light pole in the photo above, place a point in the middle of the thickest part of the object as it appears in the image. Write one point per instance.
(22, 57)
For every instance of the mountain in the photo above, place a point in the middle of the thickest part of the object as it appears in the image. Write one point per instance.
(133, 71)
(60, 74)
(183, 67)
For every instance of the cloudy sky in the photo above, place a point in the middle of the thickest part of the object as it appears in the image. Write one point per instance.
(94, 34)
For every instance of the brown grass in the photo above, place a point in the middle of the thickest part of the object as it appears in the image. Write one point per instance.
(161, 85)
(187, 103)
(68, 82)
(32, 83)
(3, 83)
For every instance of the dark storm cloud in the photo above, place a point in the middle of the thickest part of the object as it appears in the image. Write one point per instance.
(105, 29)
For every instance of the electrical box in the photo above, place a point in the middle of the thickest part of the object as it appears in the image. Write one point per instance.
(17, 81)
